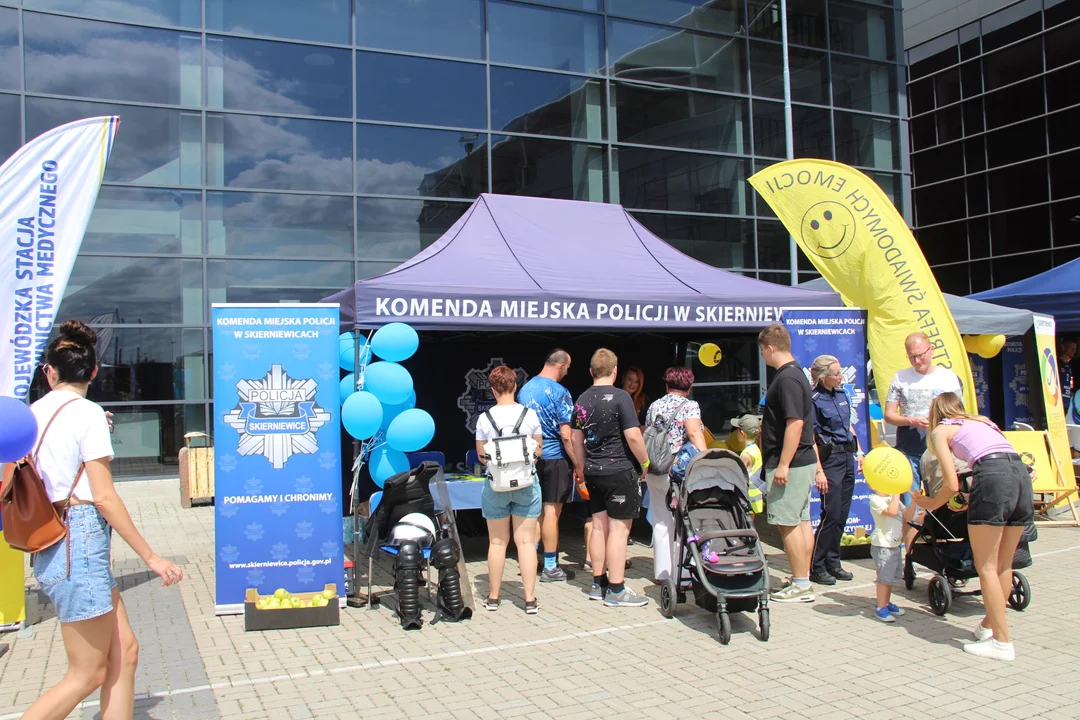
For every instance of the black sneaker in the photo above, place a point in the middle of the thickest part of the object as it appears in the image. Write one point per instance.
(840, 574)
(822, 579)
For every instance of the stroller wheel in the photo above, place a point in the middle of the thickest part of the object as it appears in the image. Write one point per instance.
(1020, 597)
(940, 595)
(668, 598)
(763, 624)
(909, 575)
(723, 620)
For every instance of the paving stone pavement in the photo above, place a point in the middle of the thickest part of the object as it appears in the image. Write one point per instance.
(575, 659)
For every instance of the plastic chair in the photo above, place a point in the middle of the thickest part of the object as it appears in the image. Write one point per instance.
(471, 461)
(415, 458)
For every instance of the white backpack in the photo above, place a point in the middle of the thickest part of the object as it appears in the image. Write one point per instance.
(511, 459)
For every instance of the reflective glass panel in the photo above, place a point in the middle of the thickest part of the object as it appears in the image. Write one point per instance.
(148, 364)
(861, 30)
(148, 220)
(548, 168)
(650, 115)
(676, 57)
(265, 224)
(806, 21)
(10, 58)
(185, 13)
(247, 151)
(148, 438)
(135, 290)
(539, 103)
(773, 246)
(86, 58)
(539, 37)
(865, 85)
(454, 28)
(274, 281)
(663, 180)
(155, 146)
(868, 141)
(318, 20)
(720, 242)
(809, 73)
(411, 161)
(10, 126)
(398, 229)
(399, 88)
(268, 76)
(365, 270)
(812, 132)
(725, 16)
(769, 129)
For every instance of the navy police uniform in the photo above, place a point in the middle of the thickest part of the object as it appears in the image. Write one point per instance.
(836, 447)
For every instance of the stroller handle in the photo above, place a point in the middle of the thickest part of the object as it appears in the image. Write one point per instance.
(704, 537)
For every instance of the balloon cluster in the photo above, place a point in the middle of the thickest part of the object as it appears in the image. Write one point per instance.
(986, 346)
(20, 429)
(379, 408)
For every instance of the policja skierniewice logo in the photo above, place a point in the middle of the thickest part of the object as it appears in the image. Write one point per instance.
(277, 417)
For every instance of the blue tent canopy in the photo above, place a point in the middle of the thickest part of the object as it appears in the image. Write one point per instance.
(1055, 292)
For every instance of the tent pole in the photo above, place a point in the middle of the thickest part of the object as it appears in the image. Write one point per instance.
(789, 132)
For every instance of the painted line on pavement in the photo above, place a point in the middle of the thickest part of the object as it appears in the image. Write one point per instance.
(373, 665)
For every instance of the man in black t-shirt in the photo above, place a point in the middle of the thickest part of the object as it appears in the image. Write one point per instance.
(610, 450)
(790, 460)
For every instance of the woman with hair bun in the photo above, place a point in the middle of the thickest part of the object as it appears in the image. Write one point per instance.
(73, 461)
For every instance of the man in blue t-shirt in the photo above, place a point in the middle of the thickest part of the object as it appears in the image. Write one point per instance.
(552, 402)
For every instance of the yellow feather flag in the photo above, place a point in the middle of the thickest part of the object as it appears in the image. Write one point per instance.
(858, 242)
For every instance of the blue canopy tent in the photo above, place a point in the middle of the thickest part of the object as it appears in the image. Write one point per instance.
(1055, 292)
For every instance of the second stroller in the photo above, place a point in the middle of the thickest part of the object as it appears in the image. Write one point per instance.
(716, 552)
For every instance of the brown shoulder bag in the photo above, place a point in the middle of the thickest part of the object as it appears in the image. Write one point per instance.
(31, 521)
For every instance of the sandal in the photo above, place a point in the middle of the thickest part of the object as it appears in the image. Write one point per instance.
(491, 604)
(532, 607)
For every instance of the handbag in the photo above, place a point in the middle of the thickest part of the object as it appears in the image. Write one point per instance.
(31, 520)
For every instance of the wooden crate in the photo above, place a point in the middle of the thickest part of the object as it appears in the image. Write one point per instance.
(196, 471)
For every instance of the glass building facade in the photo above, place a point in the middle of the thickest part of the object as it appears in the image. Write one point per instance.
(275, 150)
(994, 142)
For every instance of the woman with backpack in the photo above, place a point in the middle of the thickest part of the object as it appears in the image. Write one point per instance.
(510, 511)
(72, 459)
(680, 417)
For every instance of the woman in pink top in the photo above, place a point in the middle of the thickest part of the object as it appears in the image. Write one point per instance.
(999, 506)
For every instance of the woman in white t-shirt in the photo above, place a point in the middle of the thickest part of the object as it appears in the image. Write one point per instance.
(518, 509)
(73, 461)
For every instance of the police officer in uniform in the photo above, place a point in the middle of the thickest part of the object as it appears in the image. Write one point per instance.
(838, 448)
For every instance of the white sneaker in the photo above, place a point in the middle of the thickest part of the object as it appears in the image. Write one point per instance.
(982, 632)
(991, 649)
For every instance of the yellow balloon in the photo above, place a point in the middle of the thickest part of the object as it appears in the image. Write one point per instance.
(971, 343)
(990, 345)
(887, 471)
(709, 354)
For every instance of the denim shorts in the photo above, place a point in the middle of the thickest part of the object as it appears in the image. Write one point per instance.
(524, 503)
(1001, 493)
(86, 591)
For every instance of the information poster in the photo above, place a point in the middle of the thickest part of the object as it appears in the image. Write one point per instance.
(12, 590)
(1053, 400)
(1015, 382)
(980, 373)
(840, 332)
(277, 457)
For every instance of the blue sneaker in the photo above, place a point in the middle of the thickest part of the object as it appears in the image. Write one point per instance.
(894, 610)
(883, 614)
(596, 592)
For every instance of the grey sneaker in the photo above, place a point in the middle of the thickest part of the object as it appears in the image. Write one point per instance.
(793, 593)
(596, 592)
(556, 575)
(627, 598)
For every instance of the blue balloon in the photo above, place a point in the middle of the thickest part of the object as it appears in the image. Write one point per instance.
(361, 414)
(347, 352)
(20, 429)
(389, 412)
(875, 412)
(395, 342)
(389, 382)
(411, 430)
(385, 463)
(348, 387)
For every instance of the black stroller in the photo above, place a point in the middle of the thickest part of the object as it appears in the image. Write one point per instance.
(715, 549)
(942, 546)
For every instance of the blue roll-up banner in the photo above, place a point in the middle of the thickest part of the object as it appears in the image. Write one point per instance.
(980, 373)
(277, 450)
(840, 332)
(1015, 381)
